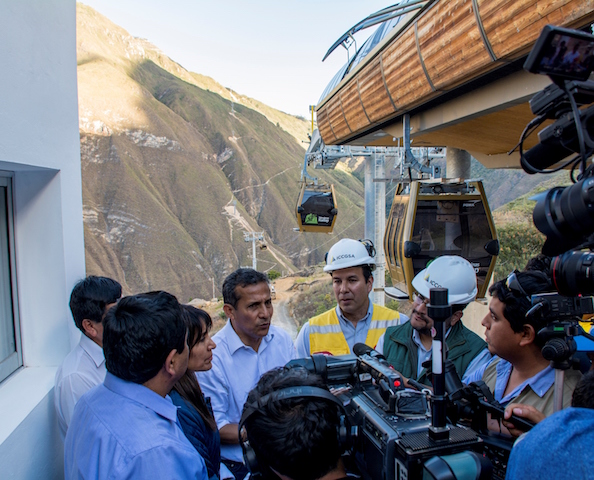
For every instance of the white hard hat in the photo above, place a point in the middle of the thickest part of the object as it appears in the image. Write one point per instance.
(451, 272)
(348, 253)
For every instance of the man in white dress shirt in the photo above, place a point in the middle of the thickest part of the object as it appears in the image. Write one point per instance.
(247, 347)
(84, 367)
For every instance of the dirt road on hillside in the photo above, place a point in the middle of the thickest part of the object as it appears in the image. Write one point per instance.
(281, 317)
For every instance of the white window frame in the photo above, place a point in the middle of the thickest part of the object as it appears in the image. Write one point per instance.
(14, 361)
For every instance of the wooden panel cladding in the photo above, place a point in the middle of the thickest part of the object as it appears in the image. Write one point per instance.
(337, 119)
(352, 107)
(451, 44)
(404, 74)
(373, 92)
(445, 44)
(512, 26)
(488, 134)
(324, 127)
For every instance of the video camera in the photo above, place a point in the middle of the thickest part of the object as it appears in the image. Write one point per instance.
(405, 433)
(565, 215)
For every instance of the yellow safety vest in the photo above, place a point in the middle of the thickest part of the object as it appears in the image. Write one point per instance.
(325, 334)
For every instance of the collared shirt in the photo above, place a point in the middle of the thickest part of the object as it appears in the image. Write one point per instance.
(236, 368)
(353, 334)
(479, 362)
(82, 369)
(539, 383)
(122, 429)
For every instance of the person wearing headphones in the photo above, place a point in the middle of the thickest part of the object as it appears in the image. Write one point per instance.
(355, 319)
(406, 347)
(291, 428)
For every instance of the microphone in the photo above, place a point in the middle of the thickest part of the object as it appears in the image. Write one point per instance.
(360, 349)
(374, 363)
(364, 349)
(542, 156)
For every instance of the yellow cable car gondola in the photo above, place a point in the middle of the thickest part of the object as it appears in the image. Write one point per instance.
(316, 208)
(431, 218)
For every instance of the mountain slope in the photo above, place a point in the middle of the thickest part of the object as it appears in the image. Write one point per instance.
(174, 174)
(503, 185)
(519, 238)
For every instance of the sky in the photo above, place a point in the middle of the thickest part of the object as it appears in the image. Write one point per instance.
(270, 50)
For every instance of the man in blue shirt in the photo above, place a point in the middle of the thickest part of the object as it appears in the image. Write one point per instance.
(127, 426)
(518, 374)
(247, 347)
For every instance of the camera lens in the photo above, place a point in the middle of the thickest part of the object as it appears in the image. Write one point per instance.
(572, 273)
(565, 215)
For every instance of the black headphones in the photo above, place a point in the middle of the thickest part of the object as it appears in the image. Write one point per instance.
(368, 244)
(300, 392)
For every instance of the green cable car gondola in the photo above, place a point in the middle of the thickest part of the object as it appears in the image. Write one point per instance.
(431, 218)
(316, 208)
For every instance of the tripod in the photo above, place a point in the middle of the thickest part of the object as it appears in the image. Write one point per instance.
(559, 349)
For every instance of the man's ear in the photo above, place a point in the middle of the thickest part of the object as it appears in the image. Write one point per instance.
(170, 366)
(528, 335)
(369, 283)
(229, 310)
(89, 328)
(455, 318)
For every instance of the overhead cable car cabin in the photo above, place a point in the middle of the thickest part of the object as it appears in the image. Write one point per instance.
(431, 218)
(316, 208)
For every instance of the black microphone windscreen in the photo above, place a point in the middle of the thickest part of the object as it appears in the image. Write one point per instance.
(361, 349)
(543, 156)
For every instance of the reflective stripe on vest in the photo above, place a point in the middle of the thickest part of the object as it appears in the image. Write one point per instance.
(378, 327)
(325, 334)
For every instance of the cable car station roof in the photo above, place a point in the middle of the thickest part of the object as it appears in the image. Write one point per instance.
(455, 66)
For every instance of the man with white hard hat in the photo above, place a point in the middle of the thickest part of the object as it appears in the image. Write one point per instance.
(355, 319)
(406, 347)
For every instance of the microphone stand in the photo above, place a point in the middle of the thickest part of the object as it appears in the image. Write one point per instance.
(439, 310)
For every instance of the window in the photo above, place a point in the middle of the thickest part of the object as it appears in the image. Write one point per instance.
(454, 226)
(10, 345)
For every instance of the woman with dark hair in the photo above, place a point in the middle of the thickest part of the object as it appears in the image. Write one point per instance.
(194, 413)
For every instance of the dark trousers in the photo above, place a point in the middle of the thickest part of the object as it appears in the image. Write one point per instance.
(238, 469)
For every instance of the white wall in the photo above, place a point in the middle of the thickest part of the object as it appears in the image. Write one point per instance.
(39, 144)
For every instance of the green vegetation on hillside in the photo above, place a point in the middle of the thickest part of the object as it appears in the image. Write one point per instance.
(312, 300)
(519, 239)
(519, 242)
(505, 184)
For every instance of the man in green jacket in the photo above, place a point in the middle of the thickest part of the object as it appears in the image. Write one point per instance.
(408, 346)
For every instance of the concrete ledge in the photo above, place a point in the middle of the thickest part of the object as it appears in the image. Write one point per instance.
(21, 393)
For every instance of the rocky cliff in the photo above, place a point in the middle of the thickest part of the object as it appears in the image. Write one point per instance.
(176, 168)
